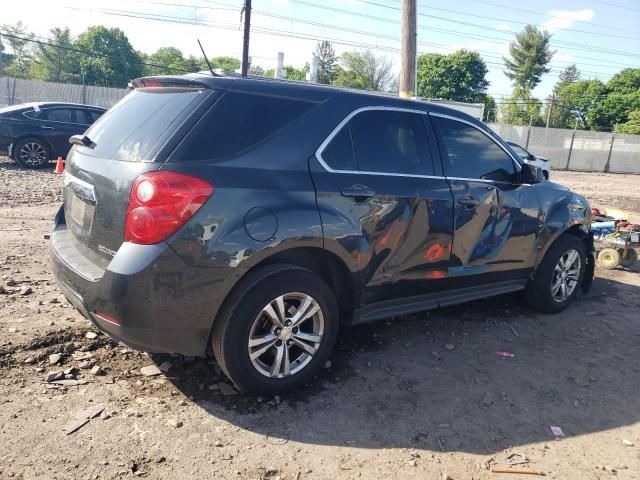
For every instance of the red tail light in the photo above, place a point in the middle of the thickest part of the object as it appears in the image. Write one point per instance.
(160, 203)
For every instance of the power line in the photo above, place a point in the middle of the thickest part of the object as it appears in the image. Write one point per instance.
(88, 52)
(430, 29)
(559, 42)
(276, 32)
(534, 12)
(438, 45)
(611, 4)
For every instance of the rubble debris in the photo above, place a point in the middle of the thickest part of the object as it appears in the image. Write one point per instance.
(150, 371)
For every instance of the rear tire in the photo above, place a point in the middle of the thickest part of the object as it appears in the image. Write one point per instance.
(608, 258)
(558, 277)
(32, 153)
(256, 338)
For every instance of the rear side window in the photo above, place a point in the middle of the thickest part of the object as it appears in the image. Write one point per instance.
(238, 122)
(139, 124)
(390, 141)
(339, 153)
(381, 141)
(472, 154)
(59, 115)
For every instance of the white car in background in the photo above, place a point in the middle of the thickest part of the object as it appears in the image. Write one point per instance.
(540, 162)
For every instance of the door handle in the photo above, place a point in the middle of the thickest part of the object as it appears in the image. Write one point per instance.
(469, 201)
(359, 192)
(47, 127)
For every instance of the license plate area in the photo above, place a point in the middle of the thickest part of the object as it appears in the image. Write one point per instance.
(80, 205)
(80, 214)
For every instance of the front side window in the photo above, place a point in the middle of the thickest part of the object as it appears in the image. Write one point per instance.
(469, 153)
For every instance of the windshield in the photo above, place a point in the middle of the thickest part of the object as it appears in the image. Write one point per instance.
(139, 124)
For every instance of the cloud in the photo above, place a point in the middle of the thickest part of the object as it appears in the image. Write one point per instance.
(563, 19)
(503, 27)
(563, 57)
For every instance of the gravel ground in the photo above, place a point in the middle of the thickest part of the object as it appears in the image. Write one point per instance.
(604, 189)
(423, 396)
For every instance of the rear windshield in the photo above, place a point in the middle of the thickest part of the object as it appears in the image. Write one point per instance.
(238, 122)
(139, 124)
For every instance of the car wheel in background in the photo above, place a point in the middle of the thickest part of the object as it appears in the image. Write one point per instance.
(32, 153)
(559, 276)
(276, 329)
(545, 174)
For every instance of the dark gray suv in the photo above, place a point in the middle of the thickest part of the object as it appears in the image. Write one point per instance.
(256, 218)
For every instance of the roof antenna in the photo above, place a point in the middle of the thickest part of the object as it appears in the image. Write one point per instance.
(207, 60)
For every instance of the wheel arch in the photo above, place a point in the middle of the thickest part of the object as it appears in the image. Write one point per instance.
(52, 150)
(325, 264)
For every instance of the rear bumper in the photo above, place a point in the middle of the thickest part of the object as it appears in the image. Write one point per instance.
(161, 304)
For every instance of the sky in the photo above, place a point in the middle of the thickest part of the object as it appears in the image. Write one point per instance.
(600, 36)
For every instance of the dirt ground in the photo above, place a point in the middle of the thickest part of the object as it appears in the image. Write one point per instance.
(423, 396)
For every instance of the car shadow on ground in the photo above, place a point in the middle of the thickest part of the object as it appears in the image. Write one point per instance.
(434, 381)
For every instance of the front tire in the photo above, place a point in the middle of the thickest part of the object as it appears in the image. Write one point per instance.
(32, 153)
(559, 276)
(276, 330)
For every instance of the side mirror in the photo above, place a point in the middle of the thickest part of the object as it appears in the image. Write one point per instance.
(531, 174)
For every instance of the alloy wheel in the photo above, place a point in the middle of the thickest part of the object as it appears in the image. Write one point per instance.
(33, 154)
(286, 335)
(566, 276)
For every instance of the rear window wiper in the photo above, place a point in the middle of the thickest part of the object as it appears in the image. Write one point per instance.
(82, 140)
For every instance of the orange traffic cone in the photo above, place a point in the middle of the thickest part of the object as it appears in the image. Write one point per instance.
(59, 166)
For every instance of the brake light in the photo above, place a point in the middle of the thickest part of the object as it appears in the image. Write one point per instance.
(162, 202)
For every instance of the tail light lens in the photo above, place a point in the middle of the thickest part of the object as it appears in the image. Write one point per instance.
(160, 203)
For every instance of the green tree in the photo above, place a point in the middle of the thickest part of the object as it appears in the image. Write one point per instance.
(364, 70)
(226, 64)
(20, 42)
(56, 61)
(560, 114)
(521, 109)
(490, 113)
(632, 125)
(293, 73)
(166, 61)
(530, 56)
(107, 57)
(460, 76)
(327, 62)
(625, 81)
(580, 99)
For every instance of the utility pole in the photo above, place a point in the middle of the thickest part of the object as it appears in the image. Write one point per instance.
(553, 98)
(408, 49)
(245, 43)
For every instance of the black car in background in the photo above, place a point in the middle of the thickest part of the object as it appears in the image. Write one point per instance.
(258, 218)
(33, 134)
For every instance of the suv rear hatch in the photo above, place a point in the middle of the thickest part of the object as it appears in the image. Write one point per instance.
(132, 138)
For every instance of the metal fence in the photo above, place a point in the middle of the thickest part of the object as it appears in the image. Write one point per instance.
(17, 90)
(577, 150)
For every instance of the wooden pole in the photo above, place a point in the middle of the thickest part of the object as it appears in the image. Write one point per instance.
(408, 49)
(553, 97)
(245, 42)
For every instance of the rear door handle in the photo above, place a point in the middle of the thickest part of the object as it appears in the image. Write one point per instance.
(359, 192)
(47, 127)
(469, 201)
